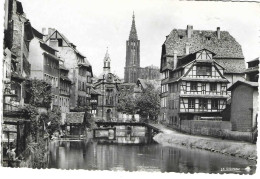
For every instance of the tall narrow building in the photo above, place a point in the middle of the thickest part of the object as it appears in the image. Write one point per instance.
(133, 71)
(132, 64)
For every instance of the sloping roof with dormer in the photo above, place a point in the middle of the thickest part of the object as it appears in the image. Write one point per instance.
(225, 47)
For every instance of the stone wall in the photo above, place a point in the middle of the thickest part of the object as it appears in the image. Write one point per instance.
(219, 129)
(201, 127)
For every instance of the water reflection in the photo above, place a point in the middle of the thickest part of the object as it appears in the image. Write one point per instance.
(150, 157)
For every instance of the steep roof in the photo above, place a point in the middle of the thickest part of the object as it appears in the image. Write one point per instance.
(254, 60)
(225, 47)
(232, 65)
(248, 83)
(133, 32)
(144, 83)
(71, 45)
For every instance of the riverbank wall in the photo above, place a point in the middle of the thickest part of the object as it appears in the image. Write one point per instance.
(218, 129)
(228, 147)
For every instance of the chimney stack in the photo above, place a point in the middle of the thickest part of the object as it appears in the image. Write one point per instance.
(189, 30)
(175, 52)
(50, 31)
(187, 50)
(218, 32)
(44, 31)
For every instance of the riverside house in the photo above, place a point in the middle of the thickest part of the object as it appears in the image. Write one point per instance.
(179, 44)
(197, 89)
(45, 65)
(80, 70)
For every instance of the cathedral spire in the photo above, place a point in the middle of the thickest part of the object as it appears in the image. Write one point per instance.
(133, 32)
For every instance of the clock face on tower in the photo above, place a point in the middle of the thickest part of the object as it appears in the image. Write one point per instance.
(109, 77)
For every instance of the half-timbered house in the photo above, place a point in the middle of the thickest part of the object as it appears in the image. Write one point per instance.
(197, 89)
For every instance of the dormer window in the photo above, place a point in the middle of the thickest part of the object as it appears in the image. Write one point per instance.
(180, 37)
(208, 38)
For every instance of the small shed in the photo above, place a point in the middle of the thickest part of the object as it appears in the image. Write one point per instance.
(244, 106)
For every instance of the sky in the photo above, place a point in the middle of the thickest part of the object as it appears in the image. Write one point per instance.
(95, 25)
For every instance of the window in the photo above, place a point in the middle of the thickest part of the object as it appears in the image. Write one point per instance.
(214, 104)
(193, 86)
(60, 42)
(191, 103)
(203, 104)
(213, 87)
(180, 37)
(204, 70)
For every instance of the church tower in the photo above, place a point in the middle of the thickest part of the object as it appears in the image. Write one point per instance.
(132, 63)
(106, 67)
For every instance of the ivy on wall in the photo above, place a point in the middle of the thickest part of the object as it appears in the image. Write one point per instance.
(38, 93)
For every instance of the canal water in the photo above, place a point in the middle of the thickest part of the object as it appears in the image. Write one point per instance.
(93, 155)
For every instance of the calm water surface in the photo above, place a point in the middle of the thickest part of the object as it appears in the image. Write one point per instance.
(92, 155)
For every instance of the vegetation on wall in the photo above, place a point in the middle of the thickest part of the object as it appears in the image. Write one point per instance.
(38, 93)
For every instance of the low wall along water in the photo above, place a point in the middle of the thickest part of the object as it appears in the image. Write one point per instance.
(220, 129)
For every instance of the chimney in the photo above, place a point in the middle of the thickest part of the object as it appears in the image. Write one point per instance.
(175, 59)
(187, 50)
(50, 31)
(218, 32)
(44, 31)
(189, 30)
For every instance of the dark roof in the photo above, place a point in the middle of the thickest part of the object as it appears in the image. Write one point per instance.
(248, 83)
(232, 65)
(225, 47)
(254, 60)
(47, 48)
(65, 78)
(19, 8)
(51, 56)
(37, 34)
(145, 82)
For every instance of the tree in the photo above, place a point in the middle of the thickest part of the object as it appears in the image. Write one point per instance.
(148, 103)
(126, 102)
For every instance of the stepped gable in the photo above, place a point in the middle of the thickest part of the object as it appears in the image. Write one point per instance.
(224, 47)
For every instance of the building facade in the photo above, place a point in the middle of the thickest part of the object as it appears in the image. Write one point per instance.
(181, 43)
(17, 37)
(252, 72)
(45, 65)
(107, 86)
(133, 71)
(196, 90)
(80, 70)
(65, 85)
